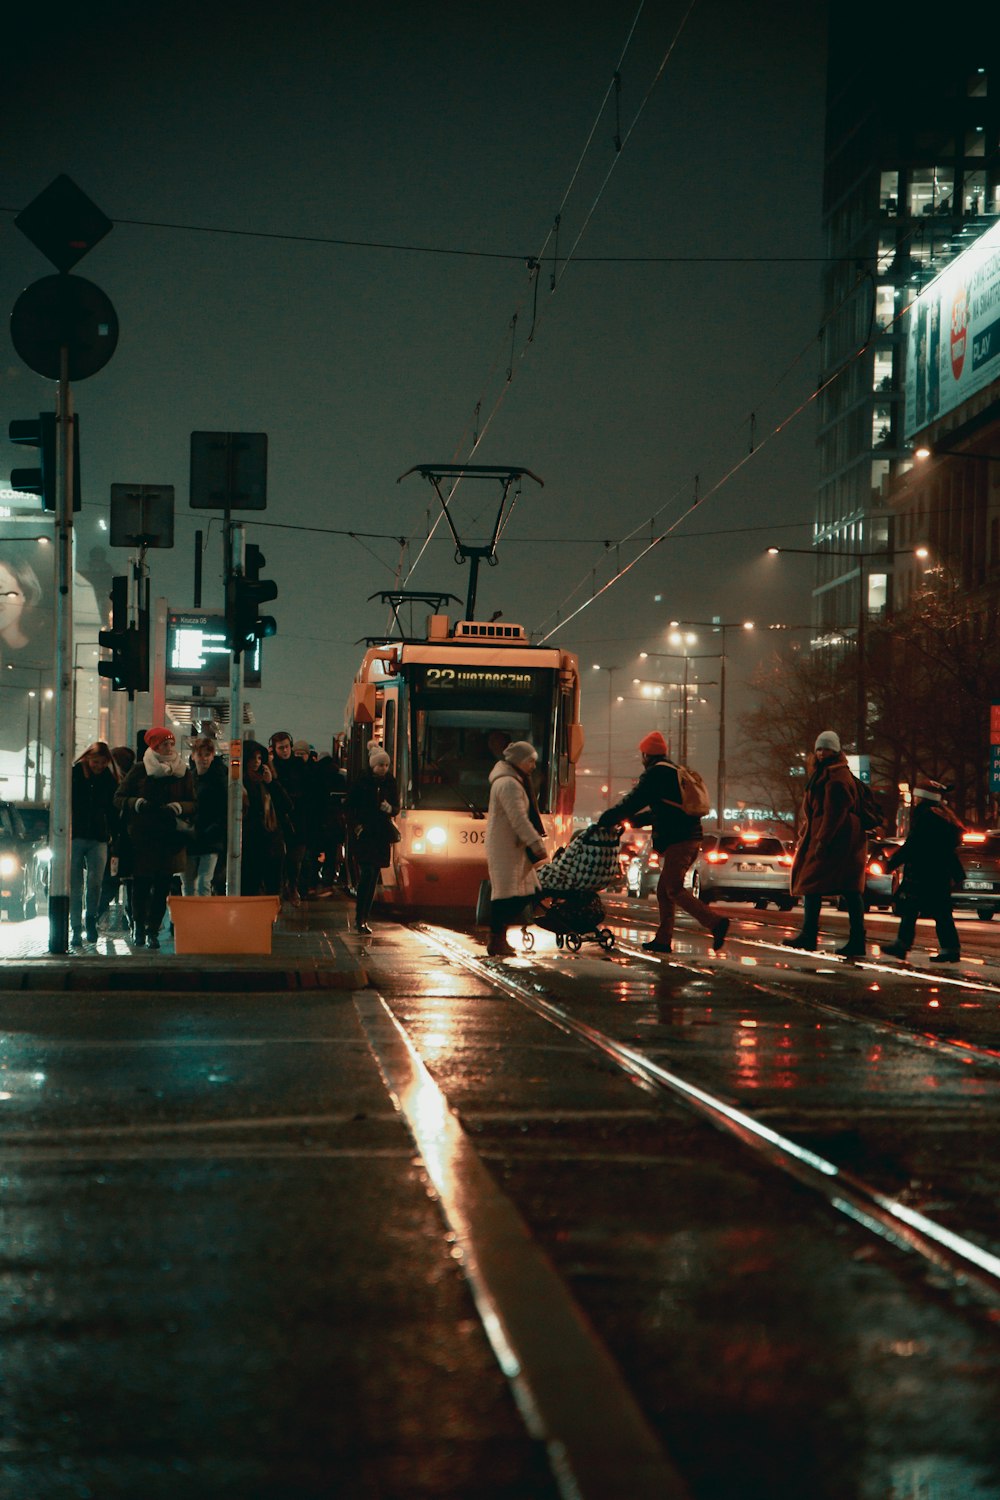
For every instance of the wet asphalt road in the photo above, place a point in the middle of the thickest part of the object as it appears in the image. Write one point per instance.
(227, 1272)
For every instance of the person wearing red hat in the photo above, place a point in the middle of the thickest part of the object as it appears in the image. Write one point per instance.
(156, 796)
(931, 866)
(656, 799)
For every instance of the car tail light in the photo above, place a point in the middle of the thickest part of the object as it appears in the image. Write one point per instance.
(875, 868)
(973, 838)
(716, 857)
(653, 862)
(786, 859)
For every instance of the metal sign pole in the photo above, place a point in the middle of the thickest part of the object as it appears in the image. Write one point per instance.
(62, 755)
(235, 549)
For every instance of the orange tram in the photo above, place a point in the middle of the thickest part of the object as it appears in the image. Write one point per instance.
(443, 708)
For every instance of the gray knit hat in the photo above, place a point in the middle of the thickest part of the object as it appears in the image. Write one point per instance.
(828, 740)
(520, 751)
(378, 757)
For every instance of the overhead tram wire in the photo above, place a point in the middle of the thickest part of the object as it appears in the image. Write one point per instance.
(536, 262)
(700, 499)
(514, 256)
(863, 276)
(534, 265)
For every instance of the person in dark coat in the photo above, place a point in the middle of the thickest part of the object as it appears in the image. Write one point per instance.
(833, 848)
(211, 816)
(372, 803)
(931, 866)
(656, 800)
(157, 795)
(265, 814)
(94, 784)
(117, 881)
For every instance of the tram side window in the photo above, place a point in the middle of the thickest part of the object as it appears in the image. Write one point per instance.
(389, 729)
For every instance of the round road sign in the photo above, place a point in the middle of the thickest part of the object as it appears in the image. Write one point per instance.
(64, 311)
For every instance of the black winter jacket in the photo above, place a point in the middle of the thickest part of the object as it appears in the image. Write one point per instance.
(211, 809)
(649, 803)
(929, 857)
(93, 807)
(372, 827)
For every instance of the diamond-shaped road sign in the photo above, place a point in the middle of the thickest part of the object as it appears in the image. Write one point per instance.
(63, 222)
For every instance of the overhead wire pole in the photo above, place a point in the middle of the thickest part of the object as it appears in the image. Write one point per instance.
(62, 756)
(235, 550)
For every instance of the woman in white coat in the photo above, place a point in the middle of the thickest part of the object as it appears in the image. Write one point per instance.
(515, 842)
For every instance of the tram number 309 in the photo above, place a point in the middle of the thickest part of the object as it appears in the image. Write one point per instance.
(472, 836)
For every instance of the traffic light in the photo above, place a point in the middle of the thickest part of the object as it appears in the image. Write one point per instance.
(40, 432)
(115, 640)
(245, 593)
(128, 644)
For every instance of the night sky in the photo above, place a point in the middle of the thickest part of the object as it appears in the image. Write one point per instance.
(448, 128)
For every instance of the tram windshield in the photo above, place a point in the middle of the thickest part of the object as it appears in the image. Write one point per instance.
(458, 737)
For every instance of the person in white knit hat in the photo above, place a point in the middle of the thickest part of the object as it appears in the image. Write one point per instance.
(515, 842)
(372, 803)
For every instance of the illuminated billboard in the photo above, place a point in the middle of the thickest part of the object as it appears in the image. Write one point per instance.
(953, 343)
(198, 654)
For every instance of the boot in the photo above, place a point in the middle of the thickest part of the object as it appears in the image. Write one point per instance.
(802, 940)
(894, 950)
(498, 946)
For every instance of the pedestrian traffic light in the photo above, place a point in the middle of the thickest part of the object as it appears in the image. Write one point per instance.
(128, 644)
(245, 593)
(40, 432)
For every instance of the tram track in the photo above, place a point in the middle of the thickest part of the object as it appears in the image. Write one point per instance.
(968, 1051)
(969, 1266)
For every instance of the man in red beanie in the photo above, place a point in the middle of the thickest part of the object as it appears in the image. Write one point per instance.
(656, 799)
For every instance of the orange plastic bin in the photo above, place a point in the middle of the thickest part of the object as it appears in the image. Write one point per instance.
(223, 924)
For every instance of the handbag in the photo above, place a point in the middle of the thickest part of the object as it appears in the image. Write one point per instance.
(394, 833)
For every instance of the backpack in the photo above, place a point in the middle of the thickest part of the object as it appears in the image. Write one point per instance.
(869, 809)
(695, 800)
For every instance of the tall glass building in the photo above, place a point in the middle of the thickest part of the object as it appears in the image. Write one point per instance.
(912, 176)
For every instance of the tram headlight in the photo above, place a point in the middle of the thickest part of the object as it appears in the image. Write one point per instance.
(9, 864)
(437, 837)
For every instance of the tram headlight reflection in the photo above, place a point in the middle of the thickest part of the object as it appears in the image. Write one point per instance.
(437, 837)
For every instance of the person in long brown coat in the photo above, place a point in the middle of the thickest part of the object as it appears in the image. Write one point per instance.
(833, 848)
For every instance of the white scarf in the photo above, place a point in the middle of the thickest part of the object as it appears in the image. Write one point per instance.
(154, 766)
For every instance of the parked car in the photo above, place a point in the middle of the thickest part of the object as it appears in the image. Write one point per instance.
(35, 817)
(18, 867)
(642, 872)
(881, 884)
(743, 867)
(979, 854)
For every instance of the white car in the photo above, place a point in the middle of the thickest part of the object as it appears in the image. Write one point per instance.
(743, 867)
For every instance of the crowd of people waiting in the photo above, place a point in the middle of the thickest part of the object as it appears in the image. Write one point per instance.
(144, 826)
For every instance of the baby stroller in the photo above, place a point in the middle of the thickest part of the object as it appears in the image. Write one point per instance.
(568, 903)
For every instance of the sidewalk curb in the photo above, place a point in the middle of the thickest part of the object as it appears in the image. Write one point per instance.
(172, 974)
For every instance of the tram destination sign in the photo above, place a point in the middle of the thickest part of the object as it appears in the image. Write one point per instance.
(470, 679)
(198, 654)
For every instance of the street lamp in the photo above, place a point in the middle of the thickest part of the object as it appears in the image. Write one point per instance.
(861, 558)
(687, 657)
(721, 626)
(611, 691)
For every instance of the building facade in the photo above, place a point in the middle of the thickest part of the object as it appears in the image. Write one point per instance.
(912, 177)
